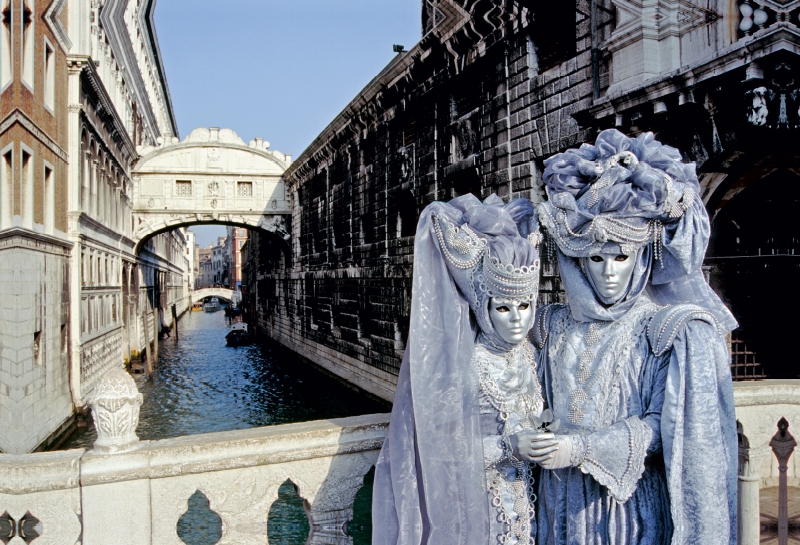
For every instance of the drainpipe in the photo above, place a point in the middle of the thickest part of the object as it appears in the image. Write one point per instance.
(508, 125)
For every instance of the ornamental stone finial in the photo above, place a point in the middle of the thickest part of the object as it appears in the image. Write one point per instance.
(115, 406)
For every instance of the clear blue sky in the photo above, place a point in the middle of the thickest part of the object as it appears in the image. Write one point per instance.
(278, 69)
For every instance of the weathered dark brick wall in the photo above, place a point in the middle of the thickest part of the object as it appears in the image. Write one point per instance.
(475, 107)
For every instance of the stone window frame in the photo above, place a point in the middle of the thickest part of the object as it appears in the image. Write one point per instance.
(49, 72)
(6, 44)
(6, 185)
(242, 189)
(48, 197)
(27, 45)
(27, 187)
(181, 185)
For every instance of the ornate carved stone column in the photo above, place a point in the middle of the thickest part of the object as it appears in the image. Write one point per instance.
(783, 445)
(115, 406)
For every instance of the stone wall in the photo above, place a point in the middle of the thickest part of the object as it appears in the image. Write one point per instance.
(34, 373)
(475, 107)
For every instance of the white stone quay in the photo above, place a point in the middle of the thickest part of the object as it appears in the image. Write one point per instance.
(137, 496)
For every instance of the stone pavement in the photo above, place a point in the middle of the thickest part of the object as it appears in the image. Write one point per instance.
(769, 515)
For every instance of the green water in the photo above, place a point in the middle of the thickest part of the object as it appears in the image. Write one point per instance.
(201, 385)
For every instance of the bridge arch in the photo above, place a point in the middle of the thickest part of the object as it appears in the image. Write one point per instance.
(211, 177)
(219, 293)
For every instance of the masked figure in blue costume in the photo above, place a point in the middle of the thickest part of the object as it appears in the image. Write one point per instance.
(635, 367)
(468, 381)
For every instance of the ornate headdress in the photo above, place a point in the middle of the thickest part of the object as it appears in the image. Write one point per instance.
(620, 195)
(490, 258)
(620, 191)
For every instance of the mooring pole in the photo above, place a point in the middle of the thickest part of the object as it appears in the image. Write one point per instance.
(156, 329)
(175, 322)
(147, 345)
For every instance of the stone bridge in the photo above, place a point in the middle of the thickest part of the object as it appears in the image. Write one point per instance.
(221, 293)
(210, 177)
(129, 491)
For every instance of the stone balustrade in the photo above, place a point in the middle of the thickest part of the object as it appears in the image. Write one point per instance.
(136, 496)
(130, 492)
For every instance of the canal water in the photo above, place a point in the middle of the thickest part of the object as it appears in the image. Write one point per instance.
(201, 385)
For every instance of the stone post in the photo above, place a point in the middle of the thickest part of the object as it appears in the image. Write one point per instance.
(783, 444)
(749, 523)
(115, 406)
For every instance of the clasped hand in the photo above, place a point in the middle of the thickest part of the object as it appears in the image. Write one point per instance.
(544, 448)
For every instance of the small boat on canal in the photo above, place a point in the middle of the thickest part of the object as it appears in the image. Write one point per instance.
(197, 306)
(239, 335)
(212, 305)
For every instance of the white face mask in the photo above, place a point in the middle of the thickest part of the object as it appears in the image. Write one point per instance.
(611, 273)
(511, 319)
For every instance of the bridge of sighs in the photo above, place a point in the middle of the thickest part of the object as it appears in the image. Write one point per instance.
(210, 177)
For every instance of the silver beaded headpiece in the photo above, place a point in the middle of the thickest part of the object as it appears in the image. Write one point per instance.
(480, 275)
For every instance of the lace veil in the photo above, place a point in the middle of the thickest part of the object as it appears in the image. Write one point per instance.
(430, 484)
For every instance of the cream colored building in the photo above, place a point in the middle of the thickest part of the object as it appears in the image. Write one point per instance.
(81, 86)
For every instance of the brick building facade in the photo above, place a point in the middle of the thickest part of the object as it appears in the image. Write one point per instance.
(491, 90)
(81, 86)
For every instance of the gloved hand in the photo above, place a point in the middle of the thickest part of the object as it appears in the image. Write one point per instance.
(569, 451)
(531, 446)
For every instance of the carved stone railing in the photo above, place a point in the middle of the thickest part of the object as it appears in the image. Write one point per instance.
(761, 406)
(132, 492)
(136, 496)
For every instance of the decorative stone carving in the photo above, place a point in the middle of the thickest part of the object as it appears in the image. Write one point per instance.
(115, 408)
(783, 445)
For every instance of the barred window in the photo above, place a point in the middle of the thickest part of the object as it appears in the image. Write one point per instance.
(183, 188)
(244, 189)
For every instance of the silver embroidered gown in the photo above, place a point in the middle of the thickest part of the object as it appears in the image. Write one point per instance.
(604, 383)
(509, 394)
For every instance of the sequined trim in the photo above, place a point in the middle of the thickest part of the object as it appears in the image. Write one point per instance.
(520, 362)
(508, 480)
(518, 520)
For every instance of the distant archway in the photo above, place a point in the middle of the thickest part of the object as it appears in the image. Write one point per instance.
(219, 293)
